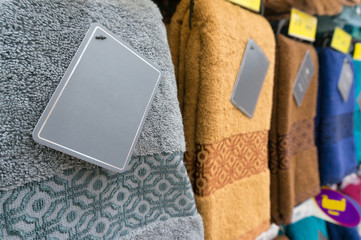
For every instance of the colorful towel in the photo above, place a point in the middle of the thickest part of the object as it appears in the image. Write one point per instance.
(308, 228)
(226, 155)
(351, 186)
(44, 201)
(293, 154)
(337, 232)
(334, 121)
(357, 114)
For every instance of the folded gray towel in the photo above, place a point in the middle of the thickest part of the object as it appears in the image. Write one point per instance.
(37, 42)
(48, 195)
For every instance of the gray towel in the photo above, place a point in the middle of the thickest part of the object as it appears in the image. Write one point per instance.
(49, 195)
(37, 42)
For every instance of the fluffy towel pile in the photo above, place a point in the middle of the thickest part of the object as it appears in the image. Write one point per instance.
(308, 228)
(293, 154)
(357, 114)
(47, 195)
(334, 121)
(226, 152)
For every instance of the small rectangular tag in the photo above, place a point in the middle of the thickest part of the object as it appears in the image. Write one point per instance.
(341, 40)
(321, 236)
(357, 52)
(359, 101)
(303, 78)
(98, 109)
(345, 80)
(250, 79)
(302, 25)
(253, 5)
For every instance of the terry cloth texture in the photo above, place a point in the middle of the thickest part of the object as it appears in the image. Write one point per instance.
(37, 42)
(171, 229)
(155, 194)
(226, 155)
(334, 121)
(357, 114)
(337, 232)
(293, 153)
(313, 7)
(307, 228)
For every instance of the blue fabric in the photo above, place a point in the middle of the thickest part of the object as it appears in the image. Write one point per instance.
(334, 121)
(306, 229)
(337, 232)
(357, 116)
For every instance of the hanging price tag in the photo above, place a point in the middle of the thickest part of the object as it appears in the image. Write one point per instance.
(254, 5)
(302, 25)
(357, 53)
(341, 40)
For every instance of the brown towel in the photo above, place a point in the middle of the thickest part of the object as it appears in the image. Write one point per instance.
(282, 237)
(226, 155)
(313, 7)
(293, 155)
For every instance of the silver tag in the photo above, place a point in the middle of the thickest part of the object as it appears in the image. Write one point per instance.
(303, 78)
(250, 79)
(345, 80)
(321, 236)
(98, 109)
(359, 101)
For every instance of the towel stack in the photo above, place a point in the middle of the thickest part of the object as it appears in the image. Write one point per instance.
(293, 154)
(226, 152)
(47, 195)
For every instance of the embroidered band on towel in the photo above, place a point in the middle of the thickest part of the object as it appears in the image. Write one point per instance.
(97, 203)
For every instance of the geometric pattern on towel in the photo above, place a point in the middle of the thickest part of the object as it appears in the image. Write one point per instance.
(301, 137)
(229, 160)
(96, 203)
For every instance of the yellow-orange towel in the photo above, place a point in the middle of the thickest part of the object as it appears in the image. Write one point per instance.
(293, 154)
(226, 152)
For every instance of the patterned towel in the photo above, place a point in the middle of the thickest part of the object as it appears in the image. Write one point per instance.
(48, 195)
(334, 121)
(293, 153)
(226, 155)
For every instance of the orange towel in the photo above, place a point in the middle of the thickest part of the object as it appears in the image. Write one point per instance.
(293, 154)
(226, 155)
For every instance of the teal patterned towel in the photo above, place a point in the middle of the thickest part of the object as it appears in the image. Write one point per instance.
(98, 204)
(47, 195)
